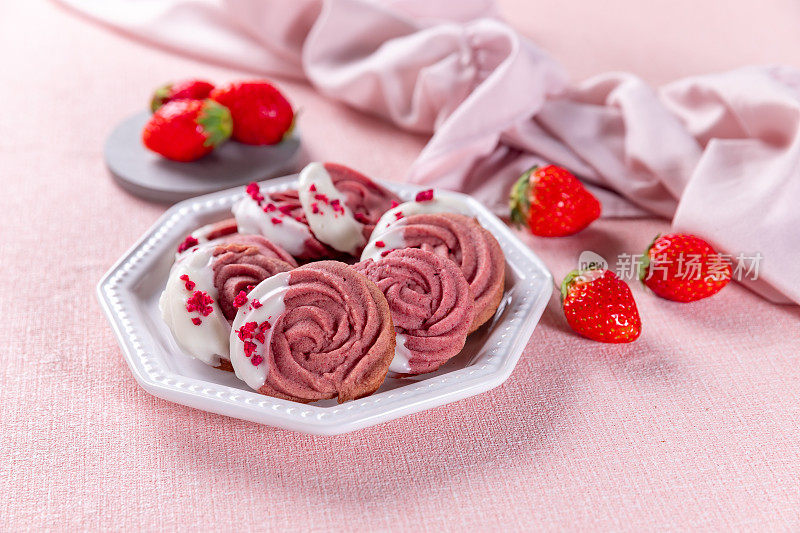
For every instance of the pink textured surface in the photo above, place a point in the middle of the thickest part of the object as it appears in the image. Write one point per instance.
(694, 426)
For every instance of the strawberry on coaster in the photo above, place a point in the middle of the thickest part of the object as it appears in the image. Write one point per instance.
(683, 268)
(180, 90)
(600, 306)
(552, 202)
(185, 130)
(261, 114)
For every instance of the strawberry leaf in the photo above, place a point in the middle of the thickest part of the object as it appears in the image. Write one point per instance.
(216, 121)
(644, 263)
(519, 200)
(160, 96)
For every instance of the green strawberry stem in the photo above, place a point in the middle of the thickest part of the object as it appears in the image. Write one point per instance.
(289, 131)
(216, 121)
(519, 199)
(644, 264)
(565, 285)
(161, 94)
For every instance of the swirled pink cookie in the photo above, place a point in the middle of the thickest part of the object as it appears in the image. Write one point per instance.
(431, 305)
(332, 212)
(207, 233)
(280, 218)
(266, 247)
(320, 331)
(238, 269)
(205, 287)
(226, 232)
(341, 205)
(425, 202)
(459, 238)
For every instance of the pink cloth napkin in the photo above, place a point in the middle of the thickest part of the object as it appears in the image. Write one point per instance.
(718, 153)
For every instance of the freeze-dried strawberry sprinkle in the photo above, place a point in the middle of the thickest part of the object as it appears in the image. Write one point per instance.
(196, 321)
(249, 348)
(269, 208)
(249, 332)
(187, 243)
(276, 220)
(256, 304)
(254, 191)
(190, 285)
(240, 299)
(395, 203)
(321, 197)
(200, 302)
(246, 331)
(315, 208)
(379, 244)
(424, 196)
(385, 253)
(337, 206)
(398, 215)
(312, 188)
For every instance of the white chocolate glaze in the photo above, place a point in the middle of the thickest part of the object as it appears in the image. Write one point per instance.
(207, 341)
(338, 229)
(289, 234)
(402, 356)
(269, 293)
(439, 204)
(391, 239)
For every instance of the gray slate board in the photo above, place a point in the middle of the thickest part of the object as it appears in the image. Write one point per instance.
(146, 174)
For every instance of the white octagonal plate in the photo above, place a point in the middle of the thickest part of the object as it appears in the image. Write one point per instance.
(129, 295)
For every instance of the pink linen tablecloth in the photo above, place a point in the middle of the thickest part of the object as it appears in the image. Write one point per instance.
(694, 426)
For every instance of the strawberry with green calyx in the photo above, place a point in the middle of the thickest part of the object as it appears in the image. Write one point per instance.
(261, 114)
(600, 306)
(683, 268)
(185, 130)
(180, 90)
(552, 202)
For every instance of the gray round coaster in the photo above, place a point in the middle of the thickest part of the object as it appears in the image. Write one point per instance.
(146, 174)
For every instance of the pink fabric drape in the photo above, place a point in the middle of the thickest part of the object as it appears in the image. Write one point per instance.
(717, 154)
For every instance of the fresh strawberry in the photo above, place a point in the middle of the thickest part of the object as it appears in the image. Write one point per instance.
(552, 202)
(180, 90)
(185, 130)
(683, 268)
(600, 306)
(261, 114)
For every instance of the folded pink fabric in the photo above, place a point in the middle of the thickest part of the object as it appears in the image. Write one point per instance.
(718, 154)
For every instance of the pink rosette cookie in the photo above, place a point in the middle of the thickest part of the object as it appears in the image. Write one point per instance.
(205, 287)
(206, 234)
(431, 304)
(459, 238)
(333, 212)
(238, 269)
(280, 218)
(425, 202)
(265, 247)
(226, 232)
(320, 331)
(342, 205)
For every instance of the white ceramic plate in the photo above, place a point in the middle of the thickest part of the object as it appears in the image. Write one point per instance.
(129, 295)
